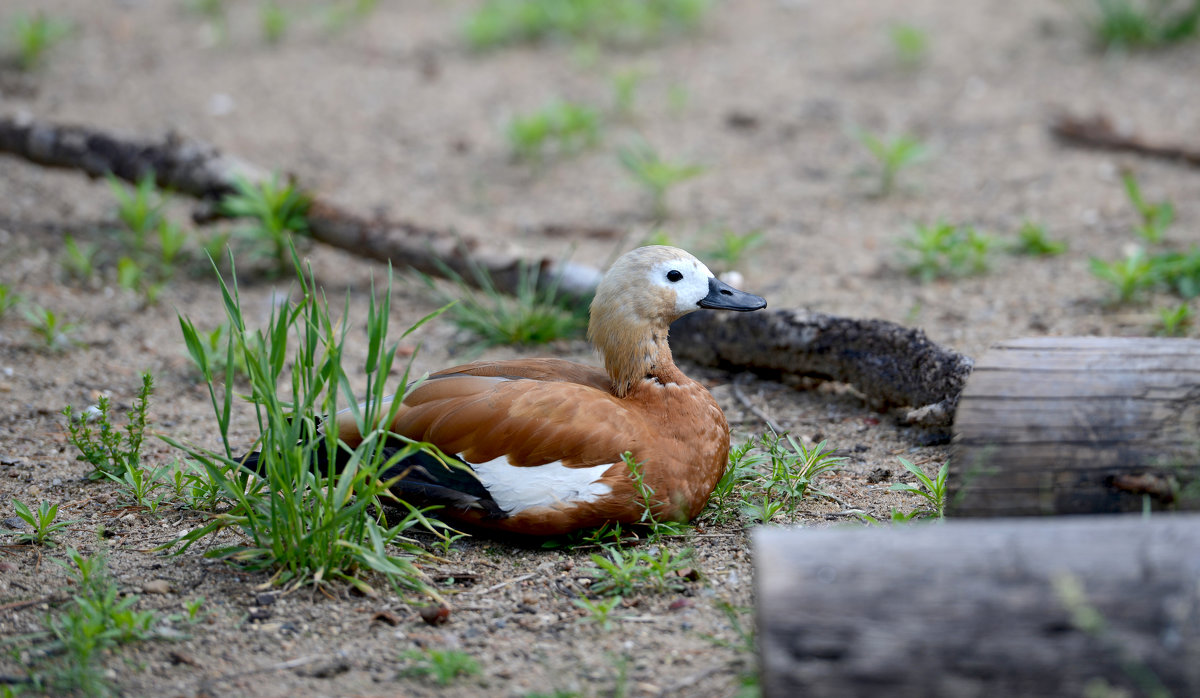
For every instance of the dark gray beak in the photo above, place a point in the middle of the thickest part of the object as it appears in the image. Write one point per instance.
(722, 296)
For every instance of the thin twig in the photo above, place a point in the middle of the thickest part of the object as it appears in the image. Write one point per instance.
(12, 606)
(737, 392)
(501, 585)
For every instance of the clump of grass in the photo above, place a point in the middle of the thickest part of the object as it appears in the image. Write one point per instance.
(942, 250)
(769, 476)
(273, 21)
(279, 212)
(109, 451)
(656, 175)
(910, 44)
(1174, 322)
(42, 522)
(599, 611)
(443, 666)
(560, 127)
(1032, 241)
(931, 489)
(616, 22)
(79, 261)
(655, 571)
(1128, 277)
(96, 620)
(1155, 218)
(1132, 24)
(625, 84)
(301, 524)
(731, 247)
(893, 155)
(32, 36)
(53, 329)
(9, 299)
(535, 315)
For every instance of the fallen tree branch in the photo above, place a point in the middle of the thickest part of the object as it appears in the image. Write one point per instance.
(1098, 132)
(890, 364)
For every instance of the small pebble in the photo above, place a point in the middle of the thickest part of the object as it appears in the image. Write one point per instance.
(156, 586)
(435, 615)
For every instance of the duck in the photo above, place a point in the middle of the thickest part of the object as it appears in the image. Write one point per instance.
(539, 442)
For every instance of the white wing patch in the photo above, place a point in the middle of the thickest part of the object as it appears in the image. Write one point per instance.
(517, 488)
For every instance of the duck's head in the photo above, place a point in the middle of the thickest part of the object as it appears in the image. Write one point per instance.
(641, 295)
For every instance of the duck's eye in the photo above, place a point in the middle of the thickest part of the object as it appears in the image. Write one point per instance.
(674, 275)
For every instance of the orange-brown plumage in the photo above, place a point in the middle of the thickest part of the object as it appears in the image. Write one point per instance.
(531, 428)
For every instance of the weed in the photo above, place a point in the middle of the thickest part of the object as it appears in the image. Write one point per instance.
(535, 315)
(792, 469)
(1174, 322)
(561, 127)
(343, 13)
(910, 44)
(1128, 277)
(727, 253)
(599, 610)
(657, 176)
(194, 610)
(893, 156)
(79, 261)
(1179, 272)
(933, 490)
(621, 22)
(8, 299)
(443, 666)
(191, 485)
(618, 573)
(274, 21)
(308, 525)
(140, 209)
(33, 36)
(1032, 241)
(1127, 24)
(1155, 217)
(738, 472)
(625, 85)
(110, 452)
(943, 250)
(279, 210)
(42, 521)
(139, 484)
(50, 327)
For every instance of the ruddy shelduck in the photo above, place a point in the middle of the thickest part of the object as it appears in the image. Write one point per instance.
(542, 439)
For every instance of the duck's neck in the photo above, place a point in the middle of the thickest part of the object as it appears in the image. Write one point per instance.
(634, 351)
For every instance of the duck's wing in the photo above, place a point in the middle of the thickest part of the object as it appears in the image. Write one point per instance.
(529, 443)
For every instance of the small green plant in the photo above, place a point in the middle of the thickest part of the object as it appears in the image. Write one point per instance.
(1174, 322)
(740, 471)
(655, 571)
(194, 610)
(79, 261)
(42, 522)
(535, 315)
(933, 490)
(656, 175)
(32, 36)
(343, 13)
(443, 666)
(661, 518)
(1032, 241)
(625, 84)
(792, 469)
(110, 452)
(279, 210)
(50, 327)
(1155, 217)
(893, 156)
(617, 22)
(910, 44)
(731, 246)
(8, 299)
(140, 209)
(139, 485)
(599, 610)
(274, 21)
(1130, 24)
(943, 250)
(1128, 277)
(560, 127)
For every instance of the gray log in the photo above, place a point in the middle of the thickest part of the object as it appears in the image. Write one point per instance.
(1016, 607)
(1077, 425)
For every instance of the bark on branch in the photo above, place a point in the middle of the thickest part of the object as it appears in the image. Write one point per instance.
(1098, 132)
(891, 364)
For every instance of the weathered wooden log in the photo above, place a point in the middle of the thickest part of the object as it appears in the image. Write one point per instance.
(1080, 425)
(1016, 607)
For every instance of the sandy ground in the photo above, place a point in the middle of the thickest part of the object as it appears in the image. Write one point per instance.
(396, 116)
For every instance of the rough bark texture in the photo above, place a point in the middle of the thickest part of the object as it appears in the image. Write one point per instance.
(1026, 607)
(891, 364)
(1061, 425)
(1099, 132)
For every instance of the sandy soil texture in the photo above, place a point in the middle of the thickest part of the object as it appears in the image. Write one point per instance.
(396, 116)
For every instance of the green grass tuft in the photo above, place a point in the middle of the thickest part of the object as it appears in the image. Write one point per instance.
(943, 250)
(614, 22)
(1133, 24)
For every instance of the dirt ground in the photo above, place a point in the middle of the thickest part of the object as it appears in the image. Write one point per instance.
(396, 116)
